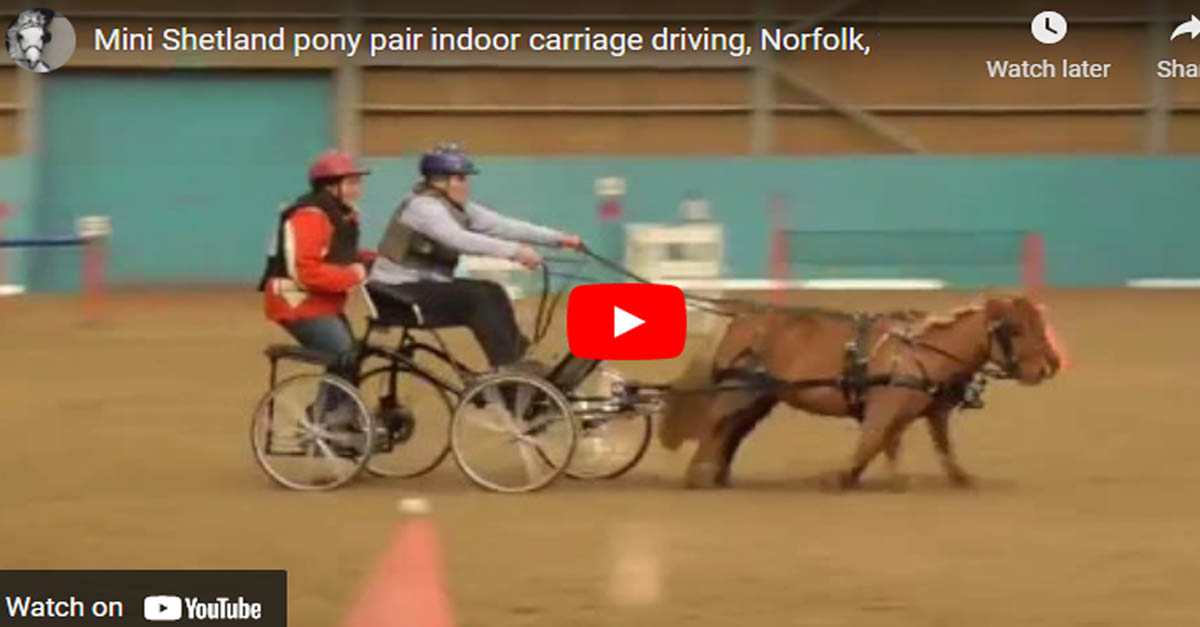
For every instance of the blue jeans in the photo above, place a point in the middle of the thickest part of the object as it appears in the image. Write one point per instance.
(327, 333)
(332, 335)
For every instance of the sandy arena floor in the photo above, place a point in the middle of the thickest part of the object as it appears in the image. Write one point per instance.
(127, 448)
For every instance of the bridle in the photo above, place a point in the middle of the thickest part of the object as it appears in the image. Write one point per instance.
(999, 333)
(39, 42)
(1002, 333)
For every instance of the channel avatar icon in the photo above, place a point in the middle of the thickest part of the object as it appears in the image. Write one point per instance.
(40, 40)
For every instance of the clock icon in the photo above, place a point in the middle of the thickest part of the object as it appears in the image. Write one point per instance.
(1049, 27)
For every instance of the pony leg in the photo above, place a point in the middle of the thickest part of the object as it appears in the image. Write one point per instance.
(705, 467)
(939, 432)
(892, 451)
(710, 462)
(879, 428)
(740, 425)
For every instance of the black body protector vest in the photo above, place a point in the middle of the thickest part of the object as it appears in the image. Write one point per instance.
(343, 244)
(404, 246)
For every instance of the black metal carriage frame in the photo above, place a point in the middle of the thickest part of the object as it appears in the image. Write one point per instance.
(589, 410)
(390, 422)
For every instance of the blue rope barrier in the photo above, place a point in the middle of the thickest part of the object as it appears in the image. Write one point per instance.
(42, 242)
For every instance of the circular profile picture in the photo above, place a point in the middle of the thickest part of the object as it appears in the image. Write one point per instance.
(40, 40)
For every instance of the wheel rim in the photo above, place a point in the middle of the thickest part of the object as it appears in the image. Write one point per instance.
(609, 446)
(412, 422)
(513, 433)
(304, 448)
(609, 443)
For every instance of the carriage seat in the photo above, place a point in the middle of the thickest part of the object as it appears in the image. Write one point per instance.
(400, 310)
(293, 352)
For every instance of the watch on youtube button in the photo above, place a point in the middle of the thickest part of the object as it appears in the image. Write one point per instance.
(626, 321)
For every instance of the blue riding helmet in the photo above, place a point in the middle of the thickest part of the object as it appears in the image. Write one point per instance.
(447, 160)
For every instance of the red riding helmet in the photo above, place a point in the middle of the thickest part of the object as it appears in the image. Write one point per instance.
(334, 164)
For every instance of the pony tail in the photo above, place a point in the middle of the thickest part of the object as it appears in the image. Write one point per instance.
(683, 408)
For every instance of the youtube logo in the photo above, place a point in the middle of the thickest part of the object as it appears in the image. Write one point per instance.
(626, 321)
(163, 607)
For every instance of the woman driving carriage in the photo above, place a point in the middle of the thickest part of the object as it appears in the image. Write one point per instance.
(420, 249)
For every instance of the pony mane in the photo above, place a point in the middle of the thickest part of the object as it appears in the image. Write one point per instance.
(32, 18)
(941, 321)
(10, 44)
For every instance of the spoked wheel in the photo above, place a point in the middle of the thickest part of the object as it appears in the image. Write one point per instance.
(610, 445)
(513, 433)
(412, 417)
(311, 432)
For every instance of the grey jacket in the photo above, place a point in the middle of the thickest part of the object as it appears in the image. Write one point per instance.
(486, 233)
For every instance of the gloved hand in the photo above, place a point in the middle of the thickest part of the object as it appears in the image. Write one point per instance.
(528, 257)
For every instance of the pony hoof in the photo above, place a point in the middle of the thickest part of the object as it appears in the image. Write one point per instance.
(703, 476)
(962, 480)
(898, 483)
(838, 481)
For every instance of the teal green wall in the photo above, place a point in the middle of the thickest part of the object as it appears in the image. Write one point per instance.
(190, 166)
(1105, 219)
(16, 190)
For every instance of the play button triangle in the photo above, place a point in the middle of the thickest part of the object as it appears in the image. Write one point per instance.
(624, 322)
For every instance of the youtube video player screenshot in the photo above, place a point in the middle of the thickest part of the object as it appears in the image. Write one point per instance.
(386, 313)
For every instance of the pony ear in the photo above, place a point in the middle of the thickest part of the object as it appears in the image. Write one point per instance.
(997, 308)
(1023, 303)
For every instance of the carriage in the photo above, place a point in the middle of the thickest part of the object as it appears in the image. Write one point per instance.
(414, 404)
(519, 430)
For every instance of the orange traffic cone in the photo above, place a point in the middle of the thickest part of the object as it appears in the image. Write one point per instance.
(407, 588)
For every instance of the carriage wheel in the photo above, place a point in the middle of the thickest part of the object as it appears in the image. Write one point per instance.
(513, 433)
(412, 416)
(609, 446)
(311, 432)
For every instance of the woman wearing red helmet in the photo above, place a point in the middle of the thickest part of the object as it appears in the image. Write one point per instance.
(316, 260)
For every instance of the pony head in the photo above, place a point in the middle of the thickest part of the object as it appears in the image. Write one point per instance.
(28, 36)
(1018, 340)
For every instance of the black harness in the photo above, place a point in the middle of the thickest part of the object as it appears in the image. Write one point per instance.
(856, 379)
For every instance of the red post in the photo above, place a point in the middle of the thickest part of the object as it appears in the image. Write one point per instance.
(95, 255)
(1033, 263)
(94, 232)
(778, 259)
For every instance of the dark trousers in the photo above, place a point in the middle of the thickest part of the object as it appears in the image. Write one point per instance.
(482, 306)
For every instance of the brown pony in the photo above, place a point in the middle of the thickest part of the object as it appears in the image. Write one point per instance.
(886, 370)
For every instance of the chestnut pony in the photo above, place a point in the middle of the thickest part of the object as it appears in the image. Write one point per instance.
(886, 370)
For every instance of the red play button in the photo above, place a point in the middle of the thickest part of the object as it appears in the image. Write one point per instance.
(626, 321)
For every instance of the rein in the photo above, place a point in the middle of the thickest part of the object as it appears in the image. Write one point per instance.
(727, 307)
(854, 380)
